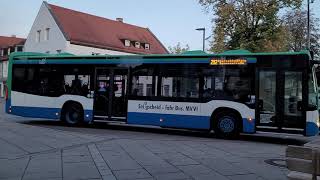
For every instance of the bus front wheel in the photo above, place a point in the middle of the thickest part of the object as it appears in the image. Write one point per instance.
(73, 114)
(226, 124)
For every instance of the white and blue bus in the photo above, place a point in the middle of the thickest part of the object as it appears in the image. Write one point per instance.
(230, 93)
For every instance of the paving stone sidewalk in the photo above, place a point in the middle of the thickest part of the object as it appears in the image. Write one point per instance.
(33, 152)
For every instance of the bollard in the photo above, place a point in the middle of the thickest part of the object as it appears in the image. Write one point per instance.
(303, 163)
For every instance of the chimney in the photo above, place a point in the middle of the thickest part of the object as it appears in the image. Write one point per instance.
(14, 36)
(119, 19)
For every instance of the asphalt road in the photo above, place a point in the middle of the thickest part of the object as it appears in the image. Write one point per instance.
(44, 149)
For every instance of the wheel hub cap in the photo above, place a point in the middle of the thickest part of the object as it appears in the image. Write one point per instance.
(226, 124)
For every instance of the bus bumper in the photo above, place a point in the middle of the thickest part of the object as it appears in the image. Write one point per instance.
(8, 106)
(312, 124)
(248, 125)
(312, 129)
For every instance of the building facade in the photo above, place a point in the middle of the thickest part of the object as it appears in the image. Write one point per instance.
(7, 45)
(57, 29)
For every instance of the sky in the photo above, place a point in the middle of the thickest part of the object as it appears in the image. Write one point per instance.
(172, 21)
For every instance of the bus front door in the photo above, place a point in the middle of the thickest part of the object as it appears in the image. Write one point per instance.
(279, 98)
(110, 95)
(267, 98)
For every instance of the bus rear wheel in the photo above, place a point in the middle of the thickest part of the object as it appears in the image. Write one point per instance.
(226, 124)
(73, 114)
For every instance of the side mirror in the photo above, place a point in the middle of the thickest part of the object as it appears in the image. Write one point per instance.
(312, 107)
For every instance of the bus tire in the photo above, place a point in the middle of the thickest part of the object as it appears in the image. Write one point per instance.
(226, 124)
(73, 114)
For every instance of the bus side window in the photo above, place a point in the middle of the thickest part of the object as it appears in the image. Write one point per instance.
(181, 87)
(18, 79)
(144, 82)
(77, 84)
(228, 82)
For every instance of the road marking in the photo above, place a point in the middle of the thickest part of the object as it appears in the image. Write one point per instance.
(102, 166)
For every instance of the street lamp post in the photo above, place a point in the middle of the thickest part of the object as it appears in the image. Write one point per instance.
(204, 37)
(308, 35)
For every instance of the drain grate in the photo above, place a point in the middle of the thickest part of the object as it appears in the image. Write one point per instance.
(276, 162)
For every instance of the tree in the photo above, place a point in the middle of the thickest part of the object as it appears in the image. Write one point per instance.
(178, 49)
(296, 25)
(248, 24)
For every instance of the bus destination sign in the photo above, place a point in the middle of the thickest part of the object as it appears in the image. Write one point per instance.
(214, 62)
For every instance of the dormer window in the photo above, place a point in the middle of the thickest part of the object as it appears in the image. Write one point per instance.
(137, 44)
(147, 46)
(19, 48)
(95, 54)
(127, 43)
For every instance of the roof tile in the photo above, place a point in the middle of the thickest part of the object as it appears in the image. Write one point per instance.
(10, 41)
(89, 30)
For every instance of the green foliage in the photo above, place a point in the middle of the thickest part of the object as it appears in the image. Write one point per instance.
(178, 49)
(248, 24)
(295, 23)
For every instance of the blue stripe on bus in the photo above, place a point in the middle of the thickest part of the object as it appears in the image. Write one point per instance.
(36, 112)
(248, 126)
(312, 129)
(47, 113)
(169, 120)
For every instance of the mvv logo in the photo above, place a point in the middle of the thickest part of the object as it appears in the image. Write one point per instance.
(192, 108)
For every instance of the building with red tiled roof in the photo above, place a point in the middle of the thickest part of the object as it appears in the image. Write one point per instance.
(57, 29)
(7, 46)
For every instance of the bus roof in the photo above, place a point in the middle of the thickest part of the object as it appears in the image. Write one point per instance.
(193, 55)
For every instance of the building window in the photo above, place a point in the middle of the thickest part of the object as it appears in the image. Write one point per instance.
(5, 51)
(137, 44)
(147, 46)
(19, 48)
(1, 70)
(5, 68)
(46, 34)
(38, 36)
(127, 43)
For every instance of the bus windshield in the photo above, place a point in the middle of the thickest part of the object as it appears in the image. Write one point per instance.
(313, 88)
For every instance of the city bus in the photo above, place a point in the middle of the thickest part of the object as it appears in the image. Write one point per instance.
(228, 93)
